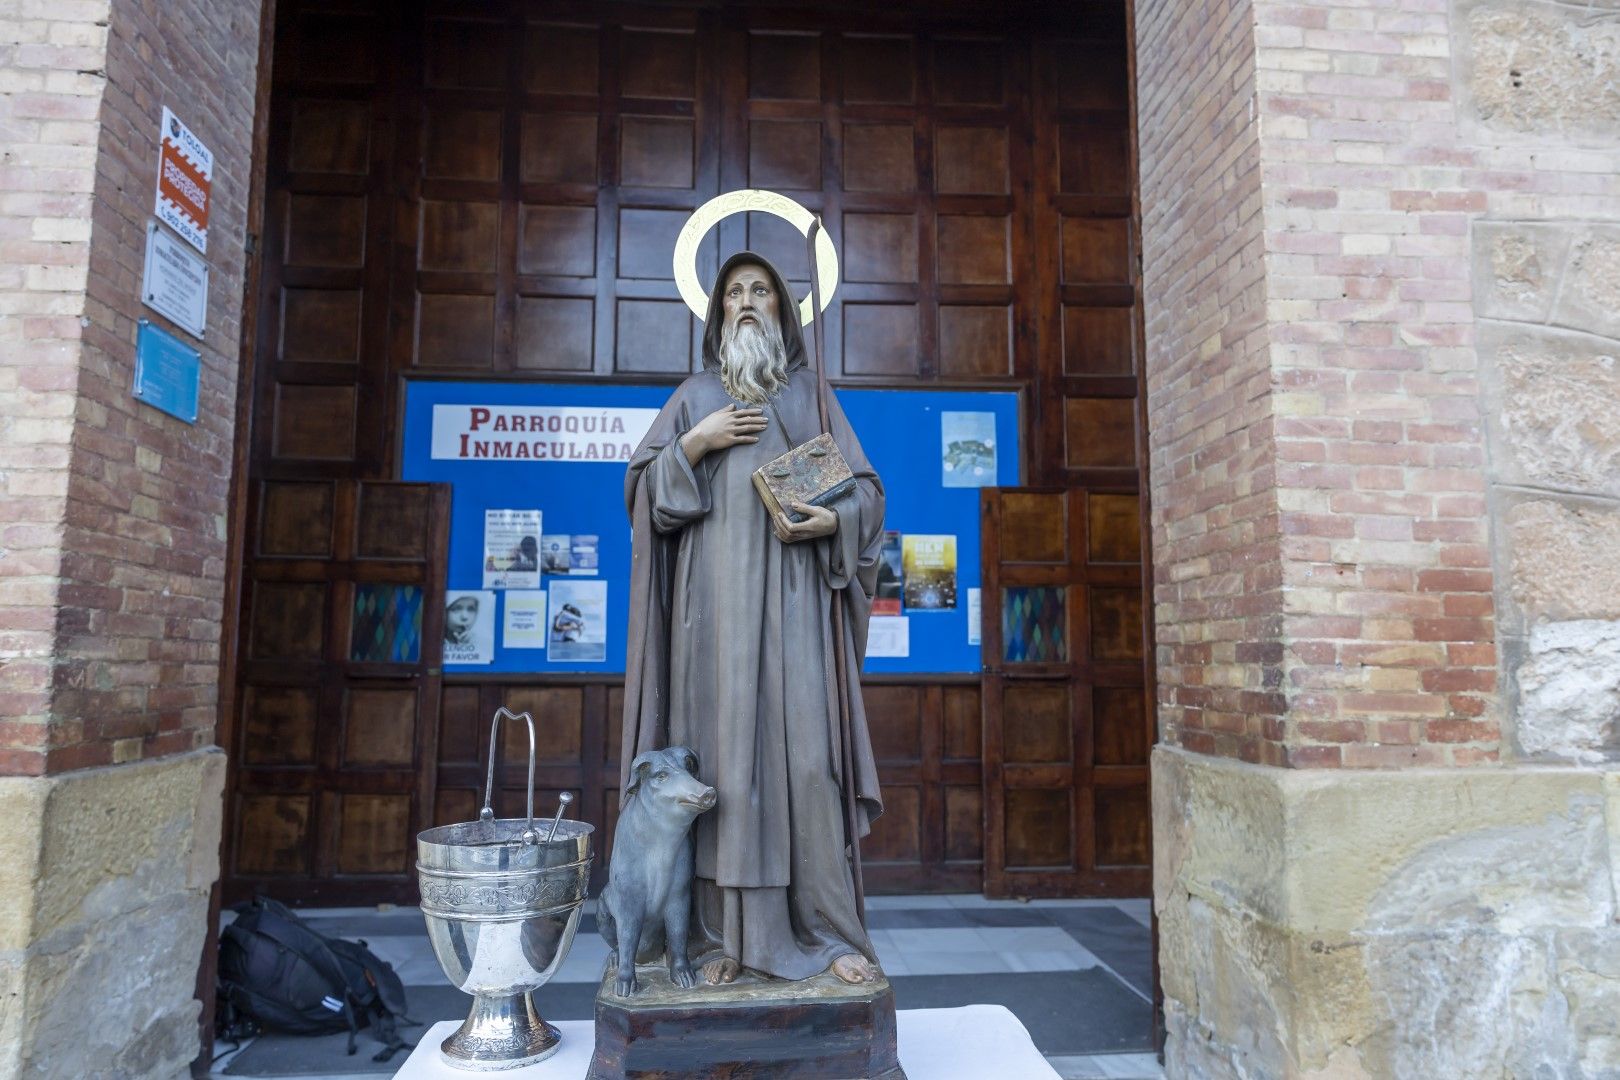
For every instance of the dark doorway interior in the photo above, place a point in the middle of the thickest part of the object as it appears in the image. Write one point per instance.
(494, 190)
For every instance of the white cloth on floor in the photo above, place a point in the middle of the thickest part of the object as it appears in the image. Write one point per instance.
(974, 1042)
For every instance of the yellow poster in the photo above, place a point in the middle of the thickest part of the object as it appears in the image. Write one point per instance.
(930, 565)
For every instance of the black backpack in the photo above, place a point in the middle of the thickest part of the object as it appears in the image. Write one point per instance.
(277, 971)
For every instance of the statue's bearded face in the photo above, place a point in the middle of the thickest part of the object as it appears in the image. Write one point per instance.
(753, 357)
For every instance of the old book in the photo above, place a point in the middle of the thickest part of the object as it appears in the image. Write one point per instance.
(813, 472)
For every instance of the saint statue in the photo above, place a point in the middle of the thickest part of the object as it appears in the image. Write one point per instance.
(730, 648)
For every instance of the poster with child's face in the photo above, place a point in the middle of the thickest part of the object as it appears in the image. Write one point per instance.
(469, 627)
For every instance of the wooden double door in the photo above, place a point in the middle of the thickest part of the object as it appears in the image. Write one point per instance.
(493, 191)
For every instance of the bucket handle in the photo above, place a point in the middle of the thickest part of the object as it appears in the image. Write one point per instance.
(488, 812)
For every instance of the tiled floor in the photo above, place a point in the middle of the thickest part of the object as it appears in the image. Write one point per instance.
(1076, 972)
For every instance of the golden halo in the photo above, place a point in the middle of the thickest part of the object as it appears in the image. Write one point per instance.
(712, 212)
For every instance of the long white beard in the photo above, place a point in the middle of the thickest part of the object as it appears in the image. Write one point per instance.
(753, 361)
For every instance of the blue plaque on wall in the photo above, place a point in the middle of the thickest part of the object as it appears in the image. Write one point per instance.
(167, 372)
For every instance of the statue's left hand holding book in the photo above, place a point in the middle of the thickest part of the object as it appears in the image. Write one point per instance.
(814, 472)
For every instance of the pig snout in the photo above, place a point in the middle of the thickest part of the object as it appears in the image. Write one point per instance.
(693, 794)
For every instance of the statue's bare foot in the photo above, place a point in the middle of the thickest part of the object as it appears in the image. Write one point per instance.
(723, 970)
(854, 968)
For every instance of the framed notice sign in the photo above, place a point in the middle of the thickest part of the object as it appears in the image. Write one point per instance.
(175, 283)
(167, 372)
(185, 182)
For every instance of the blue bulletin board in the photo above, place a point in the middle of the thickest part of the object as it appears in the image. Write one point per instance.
(583, 493)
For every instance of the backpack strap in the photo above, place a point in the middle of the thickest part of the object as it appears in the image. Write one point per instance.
(382, 995)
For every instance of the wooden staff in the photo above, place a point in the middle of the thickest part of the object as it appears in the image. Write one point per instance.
(840, 667)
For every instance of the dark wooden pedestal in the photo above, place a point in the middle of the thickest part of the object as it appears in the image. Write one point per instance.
(818, 1029)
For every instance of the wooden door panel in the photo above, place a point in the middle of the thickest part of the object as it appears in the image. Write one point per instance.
(881, 340)
(880, 157)
(329, 137)
(964, 824)
(1114, 528)
(379, 726)
(272, 836)
(1120, 726)
(373, 834)
(1038, 724)
(558, 148)
(784, 67)
(1065, 722)
(1038, 828)
(880, 248)
(658, 64)
(339, 689)
(975, 341)
(278, 725)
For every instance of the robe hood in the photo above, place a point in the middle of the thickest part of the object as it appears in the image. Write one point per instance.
(787, 310)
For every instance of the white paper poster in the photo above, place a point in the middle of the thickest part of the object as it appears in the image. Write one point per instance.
(578, 620)
(967, 449)
(888, 635)
(554, 551)
(511, 549)
(524, 625)
(975, 617)
(469, 627)
(582, 554)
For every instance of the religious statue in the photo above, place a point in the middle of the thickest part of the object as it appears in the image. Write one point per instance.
(731, 650)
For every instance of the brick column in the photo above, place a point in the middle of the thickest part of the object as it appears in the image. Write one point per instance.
(1382, 391)
(112, 530)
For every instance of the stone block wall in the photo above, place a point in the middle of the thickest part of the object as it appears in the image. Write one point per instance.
(106, 876)
(112, 533)
(1366, 924)
(1537, 93)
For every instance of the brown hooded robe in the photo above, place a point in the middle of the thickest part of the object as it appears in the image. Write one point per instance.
(730, 653)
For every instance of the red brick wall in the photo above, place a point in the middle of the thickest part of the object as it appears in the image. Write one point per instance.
(1389, 614)
(110, 594)
(1322, 554)
(1216, 540)
(48, 125)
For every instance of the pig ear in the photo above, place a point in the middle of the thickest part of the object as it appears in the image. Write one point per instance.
(639, 768)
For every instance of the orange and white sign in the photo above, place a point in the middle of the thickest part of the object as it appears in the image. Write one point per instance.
(185, 182)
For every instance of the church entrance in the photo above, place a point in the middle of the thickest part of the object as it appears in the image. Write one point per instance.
(491, 193)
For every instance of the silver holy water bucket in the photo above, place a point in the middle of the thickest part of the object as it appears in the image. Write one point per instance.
(502, 902)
